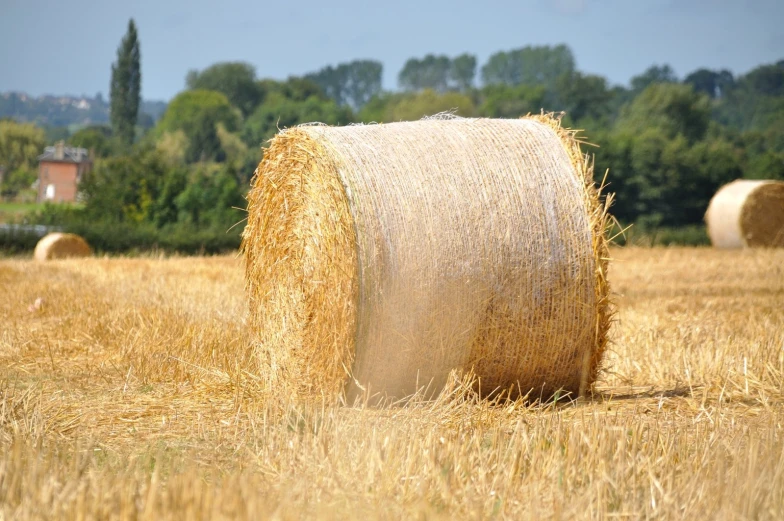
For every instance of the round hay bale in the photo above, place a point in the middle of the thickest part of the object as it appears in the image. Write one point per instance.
(61, 246)
(747, 214)
(382, 257)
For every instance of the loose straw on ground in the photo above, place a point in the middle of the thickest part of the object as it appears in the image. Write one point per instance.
(747, 214)
(379, 258)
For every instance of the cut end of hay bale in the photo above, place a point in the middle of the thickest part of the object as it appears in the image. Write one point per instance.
(747, 214)
(61, 246)
(381, 258)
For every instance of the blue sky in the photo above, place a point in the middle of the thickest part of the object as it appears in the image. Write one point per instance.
(49, 47)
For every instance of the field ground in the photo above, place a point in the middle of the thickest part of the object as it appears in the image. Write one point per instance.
(130, 391)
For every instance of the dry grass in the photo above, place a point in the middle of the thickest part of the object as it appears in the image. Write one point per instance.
(130, 392)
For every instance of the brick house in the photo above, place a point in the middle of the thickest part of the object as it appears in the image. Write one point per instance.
(60, 168)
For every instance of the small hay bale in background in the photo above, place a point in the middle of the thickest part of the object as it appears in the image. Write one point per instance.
(382, 257)
(61, 246)
(747, 214)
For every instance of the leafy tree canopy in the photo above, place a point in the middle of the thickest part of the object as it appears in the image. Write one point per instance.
(97, 139)
(767, 80)
(428, 102)
(507, 101)
(125, 89)
(279, 112)
(653, 74)
(583, 97)
(532, 65)
(236, 80)
(197, 113)
(675, 109)
(712, 83)
(295, 89)
(20, 145)
(352, 83)
(431, 72)
(438, 73)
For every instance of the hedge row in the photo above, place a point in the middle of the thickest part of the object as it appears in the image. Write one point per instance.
(123, 238)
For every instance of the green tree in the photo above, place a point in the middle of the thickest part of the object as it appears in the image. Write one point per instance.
(377, 109)
(675, 180)
(279, 112)
(295, 88)
(764, 148)
(165, 211)
(232, 145)
(661, 179)
(715, 162)
(211, 198)
(55, 134)
(652, 75)
(767, 80)
(173, 147)
(427, 103)
(124, 188)
(125, 90)
(507, 101)
(768, 164)
(462, 72)
(583, 97)
(755, 102)
(16, 181)
(532, 65)
(673, 108)
(353, 83)
(713, 83)
(412, 106)
(431, 72)
(236, 80)
(197, 114)
(20, 146)
(301, 89)
(96, 138)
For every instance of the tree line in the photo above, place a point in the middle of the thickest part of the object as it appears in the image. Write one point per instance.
(668, 142)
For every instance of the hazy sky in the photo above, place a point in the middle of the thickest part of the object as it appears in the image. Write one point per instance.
(67, 47)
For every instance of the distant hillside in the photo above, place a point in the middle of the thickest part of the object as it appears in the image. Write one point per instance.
(69, 111)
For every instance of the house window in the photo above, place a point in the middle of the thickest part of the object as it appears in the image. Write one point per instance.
(50, 191)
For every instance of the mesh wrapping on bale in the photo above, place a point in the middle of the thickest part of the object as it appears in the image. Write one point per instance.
(747, 214)
(61, 246)
(382, 257)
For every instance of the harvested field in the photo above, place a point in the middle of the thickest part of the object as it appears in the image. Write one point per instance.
(129, 390)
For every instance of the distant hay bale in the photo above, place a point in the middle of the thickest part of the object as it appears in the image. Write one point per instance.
(747, 214)
(382, 257)
(61, 246)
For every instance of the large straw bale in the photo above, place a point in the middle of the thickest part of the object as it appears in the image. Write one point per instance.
(61, 246)
(747, 214)
(382, 257)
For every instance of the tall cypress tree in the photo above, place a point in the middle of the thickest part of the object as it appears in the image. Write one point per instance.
(126, 86)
